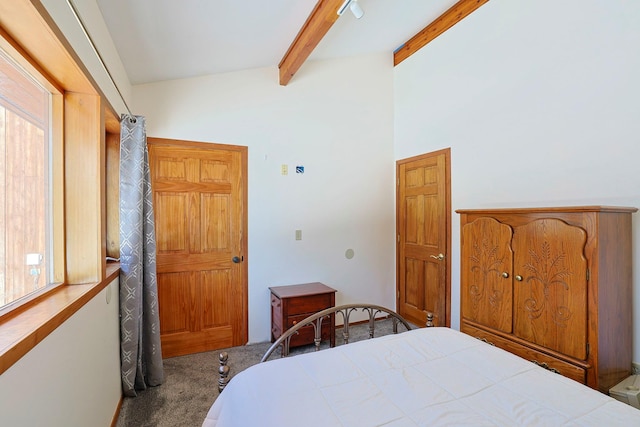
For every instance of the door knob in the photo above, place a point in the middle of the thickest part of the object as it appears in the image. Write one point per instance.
(440, 257)
(237, 259)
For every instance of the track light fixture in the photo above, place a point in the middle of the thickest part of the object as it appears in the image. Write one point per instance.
(354, 6)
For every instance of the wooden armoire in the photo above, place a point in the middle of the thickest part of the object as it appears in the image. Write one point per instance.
(552, 285)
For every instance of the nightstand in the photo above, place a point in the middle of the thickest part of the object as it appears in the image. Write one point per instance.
(293, 303)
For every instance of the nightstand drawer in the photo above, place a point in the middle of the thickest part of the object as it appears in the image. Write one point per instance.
(309, 304)
(306, 334)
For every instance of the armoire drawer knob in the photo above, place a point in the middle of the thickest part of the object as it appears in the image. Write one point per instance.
(519, 278)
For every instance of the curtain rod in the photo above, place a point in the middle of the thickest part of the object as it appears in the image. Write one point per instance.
(97, 52)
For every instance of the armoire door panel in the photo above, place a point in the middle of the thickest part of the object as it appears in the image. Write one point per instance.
(551, 299)
(487, 260)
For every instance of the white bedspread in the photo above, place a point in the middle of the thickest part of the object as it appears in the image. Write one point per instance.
(425, 377)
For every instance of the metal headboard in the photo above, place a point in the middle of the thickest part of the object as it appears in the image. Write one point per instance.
(316, 320)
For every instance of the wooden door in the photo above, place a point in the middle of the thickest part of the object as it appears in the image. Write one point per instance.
(423, 215)
(199, 193)
(485, 277)
(550, 286)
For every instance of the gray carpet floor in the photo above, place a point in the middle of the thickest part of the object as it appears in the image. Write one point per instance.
(191, 382)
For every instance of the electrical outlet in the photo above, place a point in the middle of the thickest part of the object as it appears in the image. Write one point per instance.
(284, 169)
(298, 234)
(635, 368)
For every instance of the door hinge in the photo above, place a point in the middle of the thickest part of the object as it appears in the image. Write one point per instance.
(398, 295)
(398, 238)
(398, 182)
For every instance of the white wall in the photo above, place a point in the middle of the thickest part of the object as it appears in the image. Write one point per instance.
(335, 118)
(72, 378)
(540, 104)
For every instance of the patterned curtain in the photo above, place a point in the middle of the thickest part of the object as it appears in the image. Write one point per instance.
(140, 353)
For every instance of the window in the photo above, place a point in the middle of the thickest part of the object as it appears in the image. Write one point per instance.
(73, 172)
(24, 184)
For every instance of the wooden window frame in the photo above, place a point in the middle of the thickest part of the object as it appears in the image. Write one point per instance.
(81, 118)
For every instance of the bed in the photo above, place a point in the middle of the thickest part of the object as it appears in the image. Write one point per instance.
(423, 377)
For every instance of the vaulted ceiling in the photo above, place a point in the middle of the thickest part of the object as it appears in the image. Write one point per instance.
(168, 39)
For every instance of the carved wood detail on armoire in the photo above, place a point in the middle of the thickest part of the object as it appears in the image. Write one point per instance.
(552, 285)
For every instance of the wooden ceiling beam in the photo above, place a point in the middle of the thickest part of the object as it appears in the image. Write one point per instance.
(321, 19)
(445, 21)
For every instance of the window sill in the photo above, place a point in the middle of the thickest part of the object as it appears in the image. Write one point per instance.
(22, 331)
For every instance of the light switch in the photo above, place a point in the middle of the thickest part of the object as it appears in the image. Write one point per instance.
(298, 234)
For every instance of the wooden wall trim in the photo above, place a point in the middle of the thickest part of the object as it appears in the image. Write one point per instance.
(26, 27)
(112, 189)
(85, 226)
(445, 21)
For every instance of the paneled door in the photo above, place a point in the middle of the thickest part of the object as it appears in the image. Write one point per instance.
(423, 215)
(486, 291)
(199, 193)
(550, 290)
